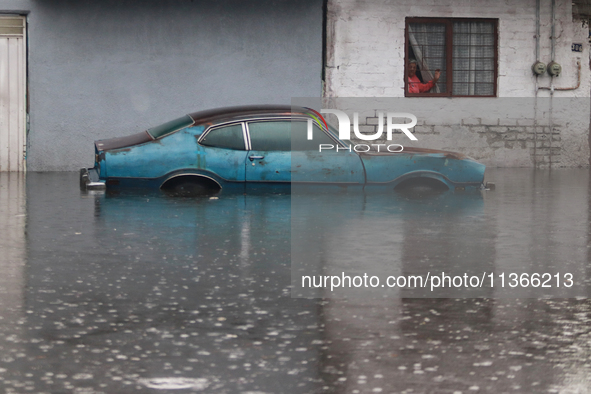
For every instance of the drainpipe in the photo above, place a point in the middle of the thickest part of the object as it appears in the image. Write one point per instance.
(552, 79)
(537, 31)
(537, 86)
(553, 27)
(552, 88)
(540, 69)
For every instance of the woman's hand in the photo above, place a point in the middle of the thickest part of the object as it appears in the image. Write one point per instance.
(436, 76)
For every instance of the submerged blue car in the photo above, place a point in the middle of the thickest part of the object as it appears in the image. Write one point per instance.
(228, 148)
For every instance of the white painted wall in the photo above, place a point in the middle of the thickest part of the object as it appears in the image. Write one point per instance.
(367, 42)
(365, 58)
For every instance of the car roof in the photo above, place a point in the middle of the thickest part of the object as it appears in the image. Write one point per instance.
(217, 115)
(207, 117)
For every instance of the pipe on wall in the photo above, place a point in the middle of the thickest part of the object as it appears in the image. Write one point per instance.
(537, 30)
(553, 31)
(552, 88)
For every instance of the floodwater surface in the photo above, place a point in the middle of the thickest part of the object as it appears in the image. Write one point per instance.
(149, 293)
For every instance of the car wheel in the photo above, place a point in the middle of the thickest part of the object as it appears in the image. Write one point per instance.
(421, 186)
(190, 185)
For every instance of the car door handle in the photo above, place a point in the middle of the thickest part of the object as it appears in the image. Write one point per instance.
(252, 158)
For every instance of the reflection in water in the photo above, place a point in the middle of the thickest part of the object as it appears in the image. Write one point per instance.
(447, 345)
(144, 292)
(530, 225)
(12, 243)
(534, 222)
(13, 218)
(137, 292)
(386, 234)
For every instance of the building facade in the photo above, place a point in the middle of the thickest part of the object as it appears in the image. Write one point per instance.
(488, 102)
(101, 69)
(76, 71)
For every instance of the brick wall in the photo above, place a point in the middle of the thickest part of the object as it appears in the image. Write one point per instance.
(504, 143)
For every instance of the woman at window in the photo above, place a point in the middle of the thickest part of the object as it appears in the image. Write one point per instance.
(415, 85)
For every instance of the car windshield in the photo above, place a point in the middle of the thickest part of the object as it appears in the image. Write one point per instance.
(171, 127)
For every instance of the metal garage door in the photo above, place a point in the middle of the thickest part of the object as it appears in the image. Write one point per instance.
(12, 93)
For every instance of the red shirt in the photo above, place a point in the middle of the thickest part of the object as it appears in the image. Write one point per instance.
(415, 85)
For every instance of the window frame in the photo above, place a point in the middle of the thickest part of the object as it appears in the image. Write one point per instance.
(246, 131)
(283, 119)
(448, 22)
(220, 126)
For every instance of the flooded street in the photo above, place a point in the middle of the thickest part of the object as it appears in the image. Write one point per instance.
(148, 293)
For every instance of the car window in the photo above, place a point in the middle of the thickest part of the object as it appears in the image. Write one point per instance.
(285, 136)
(170, 127)
(227, 137)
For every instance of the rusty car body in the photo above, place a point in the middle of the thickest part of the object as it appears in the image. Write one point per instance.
(236, 146)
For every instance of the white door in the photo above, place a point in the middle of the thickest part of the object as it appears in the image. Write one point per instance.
(12, 93)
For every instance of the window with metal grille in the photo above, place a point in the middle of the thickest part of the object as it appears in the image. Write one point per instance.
(462, 52)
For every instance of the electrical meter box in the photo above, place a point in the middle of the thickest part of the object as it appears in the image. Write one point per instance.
(554, 69)
(539, 68)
